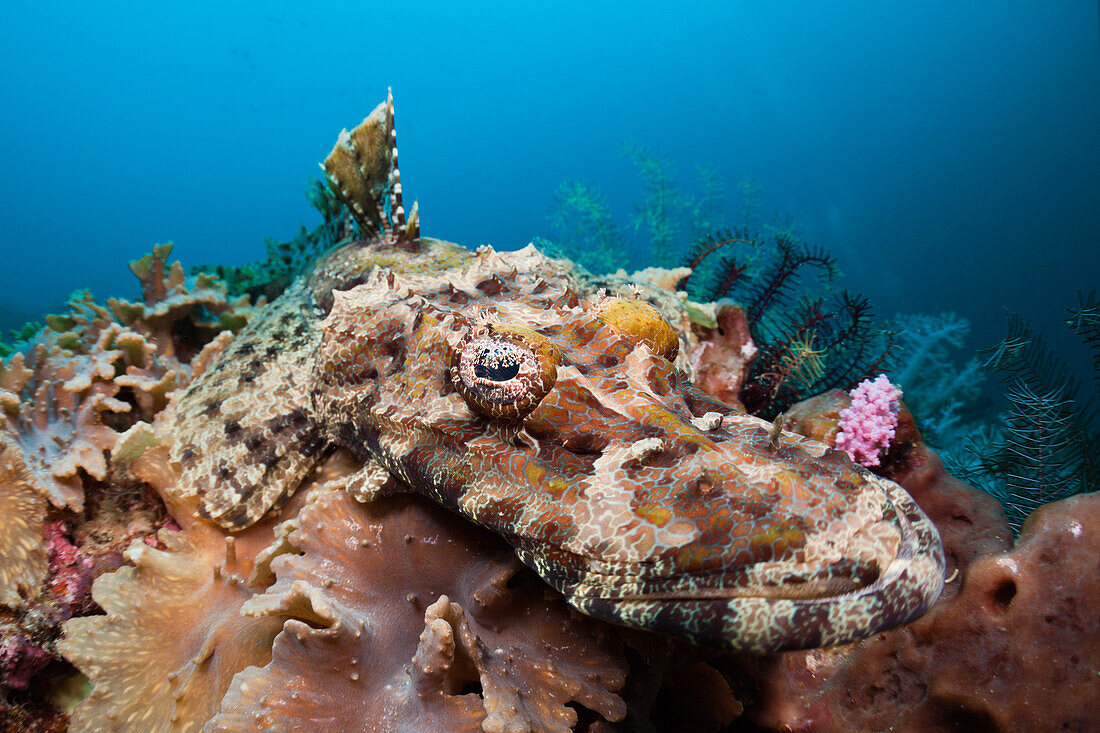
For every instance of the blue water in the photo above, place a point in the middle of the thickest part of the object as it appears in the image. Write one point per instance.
(947, 153)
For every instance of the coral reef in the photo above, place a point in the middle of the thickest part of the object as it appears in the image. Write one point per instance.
(177, 554)
(412, 619)
(494, 644)
(70, 398)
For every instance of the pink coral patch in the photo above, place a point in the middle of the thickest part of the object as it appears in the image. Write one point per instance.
(868, 426)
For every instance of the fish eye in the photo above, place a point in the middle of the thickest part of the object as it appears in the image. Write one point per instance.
(495, 364)
(506, 371)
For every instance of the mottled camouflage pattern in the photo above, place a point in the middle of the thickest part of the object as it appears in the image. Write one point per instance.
(626, 488)
(557, 418)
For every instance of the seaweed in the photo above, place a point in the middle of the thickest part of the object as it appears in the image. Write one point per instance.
(807, 343)
(1084, 320)
(1047, 446)
(585, 229)
(662, 226)
(661, 214)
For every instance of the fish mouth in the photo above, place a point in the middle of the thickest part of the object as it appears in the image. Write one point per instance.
(891, 579)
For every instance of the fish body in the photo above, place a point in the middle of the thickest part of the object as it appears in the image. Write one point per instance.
(500, 386)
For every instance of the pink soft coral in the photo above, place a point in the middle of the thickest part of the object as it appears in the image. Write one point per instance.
(867, 427)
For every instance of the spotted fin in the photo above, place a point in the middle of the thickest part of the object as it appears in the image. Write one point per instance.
(245, 435)
(362, 170)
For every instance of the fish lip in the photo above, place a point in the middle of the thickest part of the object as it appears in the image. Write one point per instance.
(906, 587)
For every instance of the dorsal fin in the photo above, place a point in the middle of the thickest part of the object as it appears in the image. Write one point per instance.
(362, 170)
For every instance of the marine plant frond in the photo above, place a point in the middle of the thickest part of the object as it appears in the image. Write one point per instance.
(712, 281)
(842, 329)
(858, 349)
(663, 210)
(853, 318)
(706, 246)
(799, 366)
(751, 192)
(784, 225)
(584, 229)
(1084, 320)
(324, 201)
(729, 273)
(1024, 355)
(708, 209)
(774, 285)
(1041, 451)
(1009, 350)
(1048, 447)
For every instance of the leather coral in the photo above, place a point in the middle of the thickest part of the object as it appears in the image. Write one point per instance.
(408, 618)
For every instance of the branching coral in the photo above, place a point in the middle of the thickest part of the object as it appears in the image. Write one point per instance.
(869, 424)
(176, 312)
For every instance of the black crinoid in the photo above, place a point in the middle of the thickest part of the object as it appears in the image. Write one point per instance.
(1046, 446)
(808, 342)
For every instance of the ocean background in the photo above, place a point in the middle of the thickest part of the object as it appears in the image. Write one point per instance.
(948, 154)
